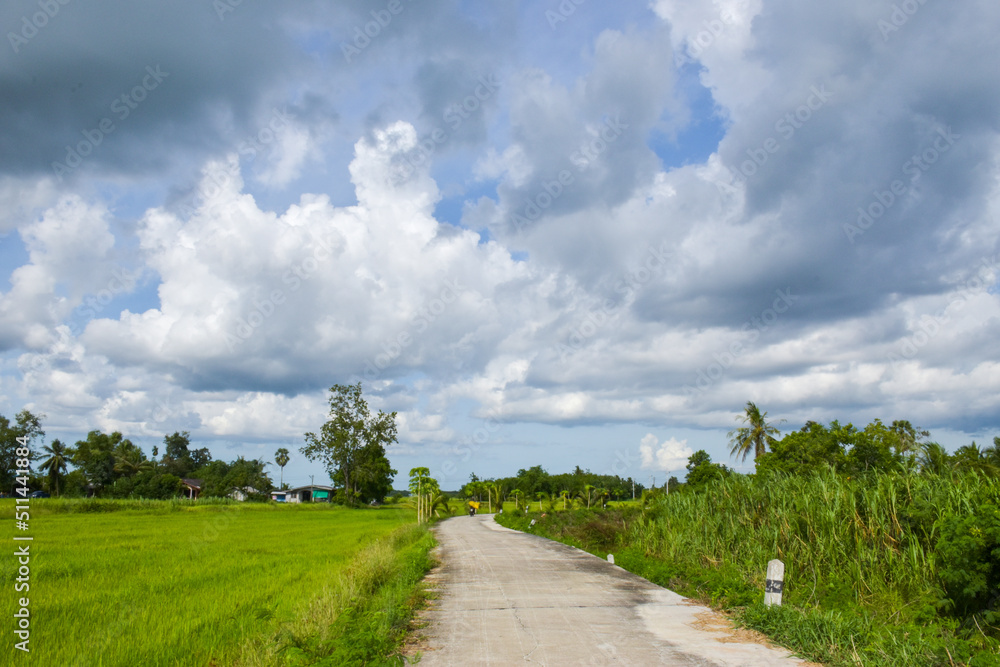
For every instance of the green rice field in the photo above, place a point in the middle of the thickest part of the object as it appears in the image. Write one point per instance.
(174, 582)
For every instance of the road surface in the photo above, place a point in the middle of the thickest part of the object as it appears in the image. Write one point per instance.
(508, 598)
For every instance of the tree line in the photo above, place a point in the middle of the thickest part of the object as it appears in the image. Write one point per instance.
(109, 465)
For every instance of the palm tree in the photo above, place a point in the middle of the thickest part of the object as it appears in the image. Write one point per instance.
(438, 503)
(518, 496)
(281, 458)
(541, 495)
(934, 458)
(755, 436)
(564, 494)
(588, 488)
(132, 462)
(56, 463)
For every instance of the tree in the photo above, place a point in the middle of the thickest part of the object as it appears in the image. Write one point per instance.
(701, 470)
(27, 427)
(352, 444)
(55, 465)
(281, 458)
(811, 448)
(421, 485)
(130, 461)
(95, 456)
(178, 459)
(755, 436)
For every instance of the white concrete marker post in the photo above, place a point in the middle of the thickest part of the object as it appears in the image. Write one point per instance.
(775, 583)
(611, 558)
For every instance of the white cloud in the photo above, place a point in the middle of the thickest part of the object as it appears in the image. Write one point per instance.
(669, 456)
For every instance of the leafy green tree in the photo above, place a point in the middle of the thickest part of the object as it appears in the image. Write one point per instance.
(248, 476)
(755, 436)
(971, 457)
(26, 426)
(95, 456)
(281, 458)
(55, 464)
(177, 457)
(701, 470)
(813, 447)
(875, 450)
(352, 445)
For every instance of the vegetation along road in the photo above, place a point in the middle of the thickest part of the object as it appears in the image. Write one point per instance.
(509, 598)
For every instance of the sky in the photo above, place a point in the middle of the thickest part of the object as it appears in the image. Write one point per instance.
(555, 232)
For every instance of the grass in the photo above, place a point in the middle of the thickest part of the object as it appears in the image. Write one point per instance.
(870, 564)
(175, 582)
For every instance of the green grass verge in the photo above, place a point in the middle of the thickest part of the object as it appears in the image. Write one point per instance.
(174, 582)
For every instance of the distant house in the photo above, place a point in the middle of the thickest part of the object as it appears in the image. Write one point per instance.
(313, 493)
(243, 493)
(192, 487)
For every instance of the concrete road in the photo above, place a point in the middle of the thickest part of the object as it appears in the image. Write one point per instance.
(508, 598)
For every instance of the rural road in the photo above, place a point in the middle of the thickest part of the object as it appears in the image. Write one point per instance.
(508, 598)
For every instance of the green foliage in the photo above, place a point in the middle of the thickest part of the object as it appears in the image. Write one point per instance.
(96, 457)
(178, 459)
(968, 546)
(755, 436)
(352, 443)
(26, 425)
(701, 471)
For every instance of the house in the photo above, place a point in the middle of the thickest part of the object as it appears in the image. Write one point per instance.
(243, 493)
(313, 493)
(192, 487)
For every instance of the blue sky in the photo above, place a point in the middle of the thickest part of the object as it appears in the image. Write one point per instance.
(542, 233)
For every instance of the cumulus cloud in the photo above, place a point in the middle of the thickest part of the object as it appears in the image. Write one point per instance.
(663, 213)
(666, 456)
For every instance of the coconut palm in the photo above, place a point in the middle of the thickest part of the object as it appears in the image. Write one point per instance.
(755, 436)
(55, 464)
(440, 503)
(131, 462)
(588, 490)
(564, 494)
(541, 495)
(934, 459)
(281, 458)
